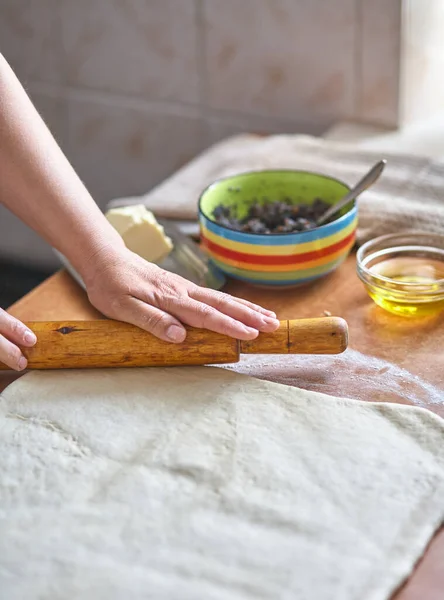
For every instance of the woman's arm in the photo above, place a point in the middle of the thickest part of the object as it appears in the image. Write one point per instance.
(39, 185)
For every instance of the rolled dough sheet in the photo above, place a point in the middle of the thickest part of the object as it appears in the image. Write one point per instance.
(200, 483)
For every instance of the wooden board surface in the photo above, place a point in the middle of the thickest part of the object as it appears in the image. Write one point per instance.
(384, 349)
(417, 346)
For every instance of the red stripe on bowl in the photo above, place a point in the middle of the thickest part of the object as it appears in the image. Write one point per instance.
(289, 259)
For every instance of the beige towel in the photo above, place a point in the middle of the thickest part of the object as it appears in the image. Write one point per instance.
(409, 195)
(202, 484)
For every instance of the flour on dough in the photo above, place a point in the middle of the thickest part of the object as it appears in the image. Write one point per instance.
(195, 483)
(367, 376)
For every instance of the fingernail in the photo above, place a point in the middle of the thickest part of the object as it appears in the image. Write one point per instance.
(250, 330)
(22, 363)
(271, 314)
(176, 333)
(270, 321)
(30, 337)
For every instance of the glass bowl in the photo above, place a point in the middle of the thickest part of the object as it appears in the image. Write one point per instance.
(404, 273)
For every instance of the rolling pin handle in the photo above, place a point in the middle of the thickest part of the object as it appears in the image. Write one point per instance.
(326, 335)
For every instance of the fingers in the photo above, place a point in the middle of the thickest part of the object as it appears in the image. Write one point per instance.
(201, 315)
(165, 326)
(159, 302)
(12, 334)
(15, 330)
(256, 307)
(11, 355)
(245, 312)
(152, 319)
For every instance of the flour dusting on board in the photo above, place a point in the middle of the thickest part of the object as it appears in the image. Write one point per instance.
(350, 374)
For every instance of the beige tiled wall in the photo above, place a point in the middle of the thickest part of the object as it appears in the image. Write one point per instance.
(423, 59)
(280, 58)
(378, 61)
(134, 88)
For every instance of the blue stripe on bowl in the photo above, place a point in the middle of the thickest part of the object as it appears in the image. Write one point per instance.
(294, 280)
(282, 281)
(281, 239)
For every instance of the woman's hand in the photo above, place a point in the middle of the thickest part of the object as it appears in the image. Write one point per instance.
(12, 335)
(125, 287)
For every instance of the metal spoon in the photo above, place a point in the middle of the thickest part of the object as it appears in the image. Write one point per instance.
(368, 180)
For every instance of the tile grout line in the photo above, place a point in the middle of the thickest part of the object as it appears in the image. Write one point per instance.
(358, 60)
(201, 60)
(65, 131)
(402, 15)
(166, 106)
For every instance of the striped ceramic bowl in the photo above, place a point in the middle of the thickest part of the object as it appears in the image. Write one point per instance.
(279, 259)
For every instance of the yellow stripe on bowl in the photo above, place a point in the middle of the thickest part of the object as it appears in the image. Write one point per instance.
(280, 250)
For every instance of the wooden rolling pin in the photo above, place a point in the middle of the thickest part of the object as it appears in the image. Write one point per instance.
(107, 343)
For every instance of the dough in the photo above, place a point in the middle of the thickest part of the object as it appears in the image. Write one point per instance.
(141, 232)
(199, 483)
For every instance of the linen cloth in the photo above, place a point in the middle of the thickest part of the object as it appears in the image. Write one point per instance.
(408, 196)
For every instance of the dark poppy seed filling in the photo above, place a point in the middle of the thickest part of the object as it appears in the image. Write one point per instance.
(272, 216)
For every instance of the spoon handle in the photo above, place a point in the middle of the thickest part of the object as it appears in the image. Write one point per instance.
(368, 180)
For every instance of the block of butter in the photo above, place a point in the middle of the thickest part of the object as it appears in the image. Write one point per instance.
(141, 232)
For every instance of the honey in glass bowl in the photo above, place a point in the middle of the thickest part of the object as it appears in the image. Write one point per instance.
(404, 273)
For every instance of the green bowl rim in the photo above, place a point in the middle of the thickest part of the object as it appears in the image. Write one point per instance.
(274, 171)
